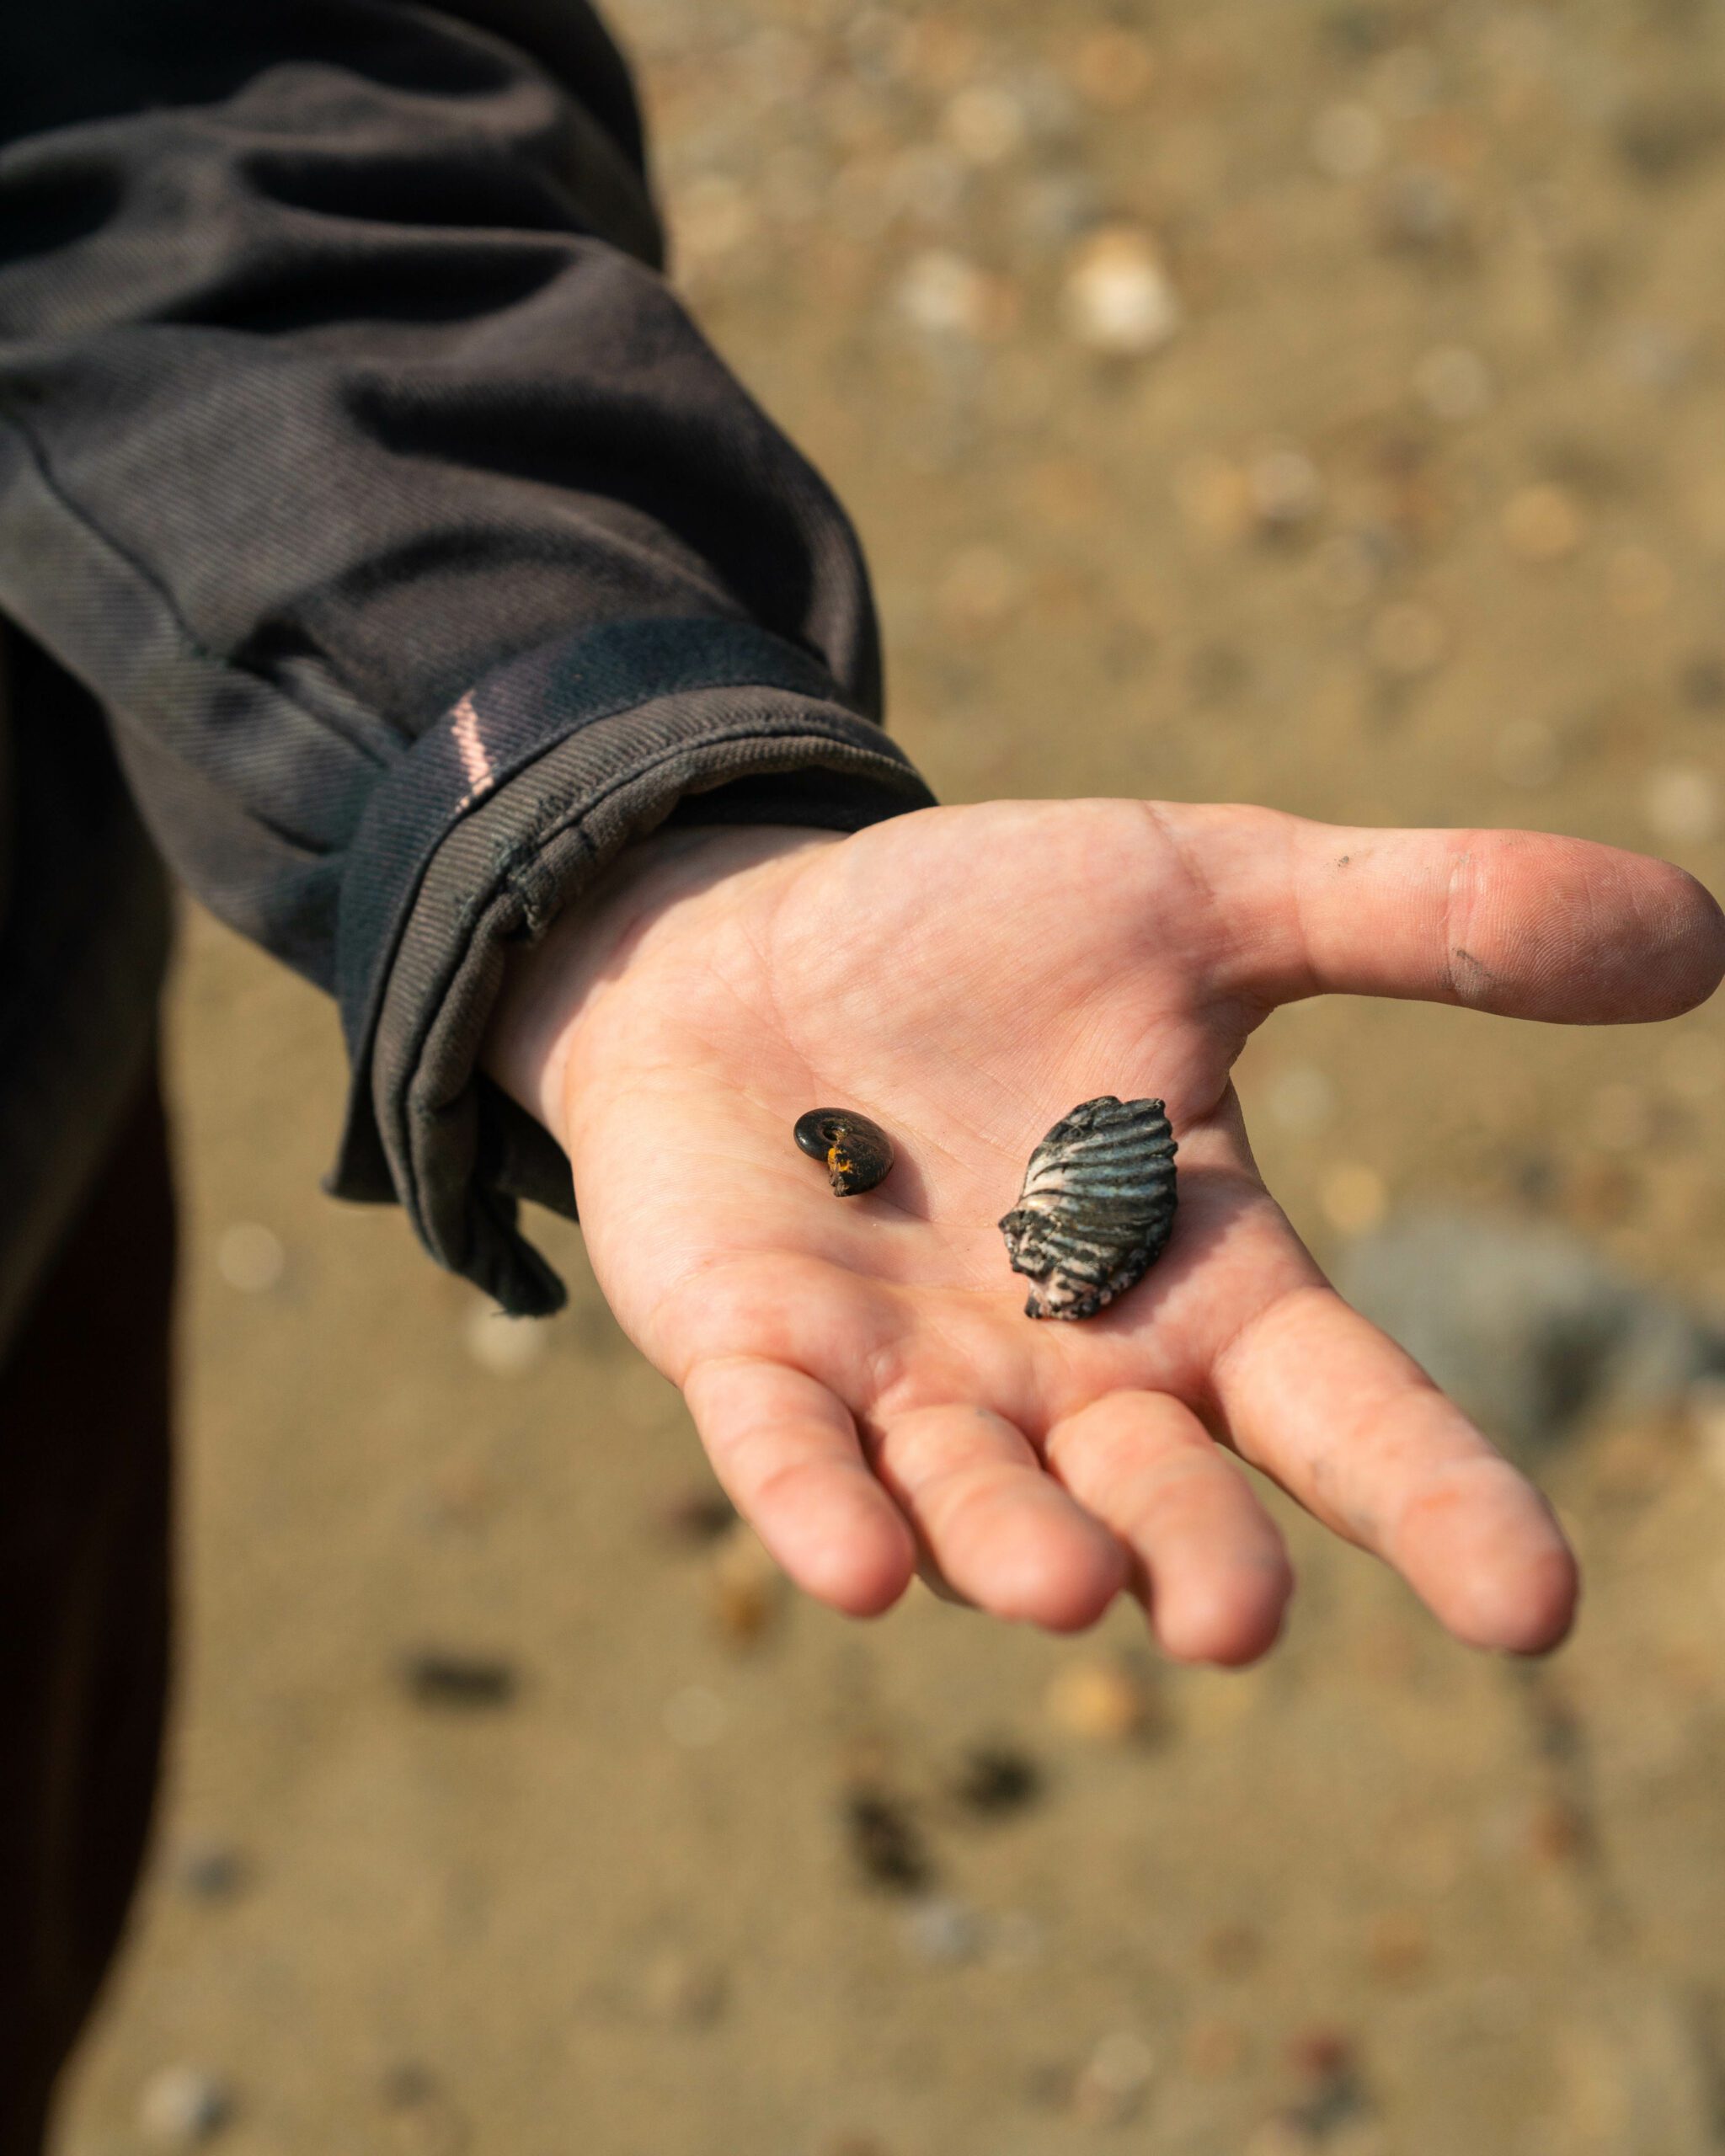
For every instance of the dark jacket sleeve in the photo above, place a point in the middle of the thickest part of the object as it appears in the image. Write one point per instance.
(354, 454)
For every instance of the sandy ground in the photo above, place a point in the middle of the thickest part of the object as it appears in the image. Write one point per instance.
(1371, 463)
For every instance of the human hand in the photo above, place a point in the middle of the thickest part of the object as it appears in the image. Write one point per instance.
(861, 1370)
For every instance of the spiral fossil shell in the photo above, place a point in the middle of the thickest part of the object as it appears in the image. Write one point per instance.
(857, 1153)
(1097, 1208)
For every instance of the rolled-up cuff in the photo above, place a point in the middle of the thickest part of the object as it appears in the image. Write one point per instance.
(502, 813)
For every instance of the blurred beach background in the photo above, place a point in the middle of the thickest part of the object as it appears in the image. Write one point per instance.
(1312, 401)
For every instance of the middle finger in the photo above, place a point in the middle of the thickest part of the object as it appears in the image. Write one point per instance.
(1000, 1530)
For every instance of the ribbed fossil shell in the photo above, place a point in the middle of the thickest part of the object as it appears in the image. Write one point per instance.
(858, 1153)
(1096, 1207)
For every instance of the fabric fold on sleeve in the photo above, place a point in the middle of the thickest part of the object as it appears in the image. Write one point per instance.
(359, 463)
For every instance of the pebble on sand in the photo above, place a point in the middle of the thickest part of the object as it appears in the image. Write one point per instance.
(508, 1346)
(1543, 523)
(1324, 2063)
(1353, 1198)
(1349, 567)
(1655, 356)
(1453, 383)
(1622, 1118)
(715, 217)
(1527, 753)
(748, 1591)
(1214, 2049)
(984, 123)
(1637, 581)
(1557, 1831)
(1285, 489)
(694, 1517)
(695, 1717)
(1100, 1698)
(981, 587)
(1112, 67)
(1347, 141)
(886, 1845)
(1408, 637)
(1118, 297)
(1704, 1413)
(1017, 1940)
(1680, 803)
(1700, 680)
(436, 1677)
(1110, 2085)
(1398, 1947)
(209, 1871)
(1693, 1065)
(944, 294)
(1301, 1098)
(996, 1780)
(681, 1989)
(1663, 135)
(1419, 212)
(1215, 497)
(1232, 1949)
(250, 1258)
(183, 2105)
(940, 1929)
(426, 2120)
(1283, 2136)
(460, 1493)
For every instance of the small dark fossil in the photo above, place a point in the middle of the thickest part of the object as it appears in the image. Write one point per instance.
(996, 1780)
(885, 1842)
(433, 1677)
(857, 1153)
(1097, 1206)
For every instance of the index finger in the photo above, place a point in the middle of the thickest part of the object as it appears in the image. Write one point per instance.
(1349, 1425)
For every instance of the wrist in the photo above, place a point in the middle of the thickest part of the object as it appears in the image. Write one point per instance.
(559, 992)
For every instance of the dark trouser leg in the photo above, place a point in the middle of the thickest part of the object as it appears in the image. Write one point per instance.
(83, 1609)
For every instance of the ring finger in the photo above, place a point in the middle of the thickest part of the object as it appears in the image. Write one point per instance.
(1209, 1563)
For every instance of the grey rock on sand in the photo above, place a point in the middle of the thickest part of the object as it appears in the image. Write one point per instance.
(1526, 1326)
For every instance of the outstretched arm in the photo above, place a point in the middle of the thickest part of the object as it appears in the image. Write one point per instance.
(861, 1372)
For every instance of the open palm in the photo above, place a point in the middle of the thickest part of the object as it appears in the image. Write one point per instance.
(862, 1370)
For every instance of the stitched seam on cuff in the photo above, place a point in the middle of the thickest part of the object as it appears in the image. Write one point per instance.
(569, 818)
(527, 848)
(544, 696)
(407, 1109)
